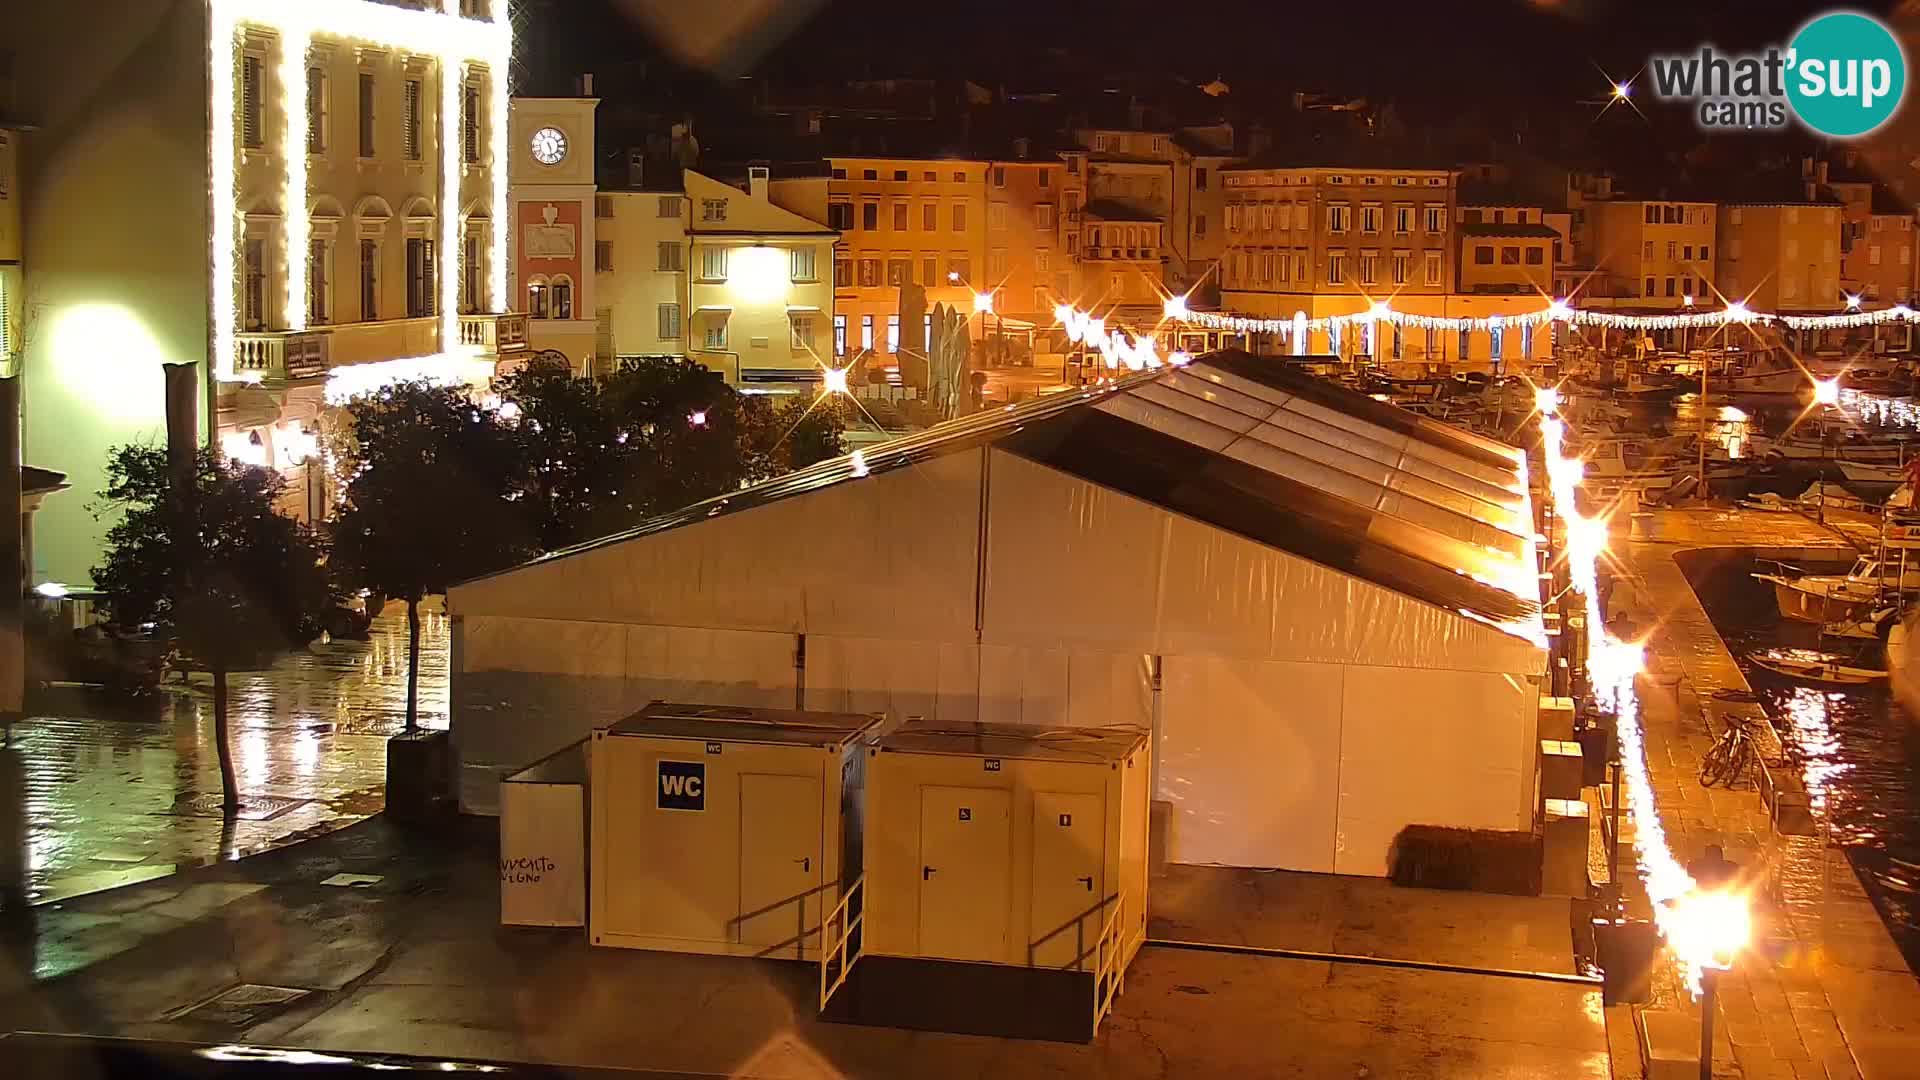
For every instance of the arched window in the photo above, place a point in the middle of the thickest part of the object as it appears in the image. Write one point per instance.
(537, 296)
(560, 297)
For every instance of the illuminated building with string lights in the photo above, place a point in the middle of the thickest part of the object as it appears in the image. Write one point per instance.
(302, 199)
(1318, 241)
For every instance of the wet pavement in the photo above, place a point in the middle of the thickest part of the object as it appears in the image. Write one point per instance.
(118, 793)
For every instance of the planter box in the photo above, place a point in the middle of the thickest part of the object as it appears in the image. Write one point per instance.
(419, 775)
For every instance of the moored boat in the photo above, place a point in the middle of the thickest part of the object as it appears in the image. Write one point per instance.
(1811, 666)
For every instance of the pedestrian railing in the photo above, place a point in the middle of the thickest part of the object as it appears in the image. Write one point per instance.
(1110, 970)
(839, 941)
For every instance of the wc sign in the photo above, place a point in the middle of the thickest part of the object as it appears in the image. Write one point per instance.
(683, 785)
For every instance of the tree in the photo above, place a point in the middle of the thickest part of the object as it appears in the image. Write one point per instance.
(431, 499)
(601, 455)
(217, 572)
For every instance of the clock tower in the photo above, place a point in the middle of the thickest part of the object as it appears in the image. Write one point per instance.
(551, 201)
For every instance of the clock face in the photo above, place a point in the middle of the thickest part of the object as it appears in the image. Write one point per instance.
(549, 146)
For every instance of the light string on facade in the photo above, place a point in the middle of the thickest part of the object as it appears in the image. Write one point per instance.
(1703, 928)
(458, 43)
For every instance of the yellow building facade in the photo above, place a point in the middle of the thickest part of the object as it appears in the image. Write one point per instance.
(301, 206)
(1651, 254)
(642, 271)
(760, 294)
(1781, 257)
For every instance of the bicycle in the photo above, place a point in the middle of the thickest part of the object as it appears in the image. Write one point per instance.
(1731, 757)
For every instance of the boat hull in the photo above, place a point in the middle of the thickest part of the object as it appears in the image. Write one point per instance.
(1815, 604)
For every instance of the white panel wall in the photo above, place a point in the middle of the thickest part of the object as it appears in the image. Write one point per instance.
(889, 555)
(1069, 563)
(1430, 748)
(938, 681)
(1250, 760)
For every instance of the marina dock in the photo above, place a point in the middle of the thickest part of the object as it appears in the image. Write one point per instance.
(1824, 992)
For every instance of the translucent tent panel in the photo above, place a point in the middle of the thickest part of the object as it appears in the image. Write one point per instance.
(1464, 759)
(892, 553)
(1071, 563)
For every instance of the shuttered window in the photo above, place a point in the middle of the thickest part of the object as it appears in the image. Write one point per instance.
(410, 119)
(251, 128)
(366, 114)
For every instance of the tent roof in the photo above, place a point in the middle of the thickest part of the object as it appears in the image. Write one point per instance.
(1253, 447)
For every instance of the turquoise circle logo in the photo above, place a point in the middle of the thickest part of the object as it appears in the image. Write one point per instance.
(1846, 74)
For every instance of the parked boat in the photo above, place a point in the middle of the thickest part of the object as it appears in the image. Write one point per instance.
(1762, 375)
(1870, 479)
(1821, 440)
(1809, 665)
(1829, 598)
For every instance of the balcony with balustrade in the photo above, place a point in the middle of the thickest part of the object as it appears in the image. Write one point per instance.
(281, 357)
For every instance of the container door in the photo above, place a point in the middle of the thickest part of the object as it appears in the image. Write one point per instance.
(1069, 887)
(965, 856)
(779, 862)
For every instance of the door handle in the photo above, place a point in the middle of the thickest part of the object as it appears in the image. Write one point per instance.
(806, 864)
(926, 872)
(1087, 881)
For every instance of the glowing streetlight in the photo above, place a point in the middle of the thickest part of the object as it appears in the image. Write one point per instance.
(1559, 311)
(1826, 391)
(1380, 311)
(982, 303)
(953, 275)
(1546, 399)
(1175, 307)
(1687, 300)
(52, 590)
(698, 417)
(1738, 312)
(1622, 91)
(833, 381)
(1063, 313)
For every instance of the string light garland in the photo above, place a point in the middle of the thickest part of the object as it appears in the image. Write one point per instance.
(1298, 325)
(1696, 924)
(458, 43)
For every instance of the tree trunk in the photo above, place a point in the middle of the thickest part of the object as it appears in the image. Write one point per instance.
(229, 787)
(413, 663)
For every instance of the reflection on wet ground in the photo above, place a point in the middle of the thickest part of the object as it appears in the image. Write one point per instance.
(117, 794)
(1854, 749)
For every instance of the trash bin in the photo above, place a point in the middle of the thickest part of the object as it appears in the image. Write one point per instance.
(543, 842)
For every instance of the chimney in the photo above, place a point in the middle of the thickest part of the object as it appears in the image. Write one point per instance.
(586, 85)
(1022, 146)
(1806, 168)
(637, 169)
(1820, 173)
(757, 180)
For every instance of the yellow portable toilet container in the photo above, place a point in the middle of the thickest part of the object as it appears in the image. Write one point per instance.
(1006, 879)
(723, 830)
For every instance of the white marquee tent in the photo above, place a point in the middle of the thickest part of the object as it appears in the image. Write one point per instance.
(1324, 608)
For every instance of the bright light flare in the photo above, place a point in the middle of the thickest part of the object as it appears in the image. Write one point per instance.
(1711, 927)
(1622, 90)
(982, 303)
(1853, 301)
(1826, 391)
(1546, 399)
(698, 418)
(1063, 314)
(833, 381)
(1175, 307)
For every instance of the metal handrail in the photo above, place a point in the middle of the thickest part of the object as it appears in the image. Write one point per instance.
(835, 944)
(1108, 969)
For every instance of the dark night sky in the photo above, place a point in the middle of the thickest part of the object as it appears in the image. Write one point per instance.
(1483, 51)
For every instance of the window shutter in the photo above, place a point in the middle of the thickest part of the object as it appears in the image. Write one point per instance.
(470, 123)
(410, 120)
(366, 114)
(316, 110)
(427, 278)
(250, 101)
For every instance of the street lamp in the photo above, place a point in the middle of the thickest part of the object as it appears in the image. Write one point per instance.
(1708, 928)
